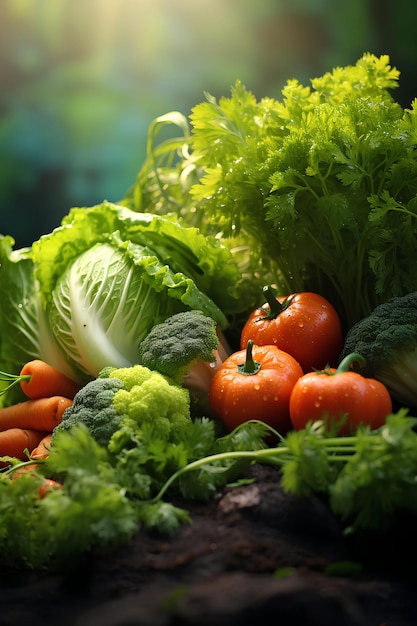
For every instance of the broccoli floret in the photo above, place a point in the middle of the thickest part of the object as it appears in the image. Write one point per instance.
(93, 405)
(176, 344)
(189, 348)
(387, 340)
(121, 400)
(149, 396)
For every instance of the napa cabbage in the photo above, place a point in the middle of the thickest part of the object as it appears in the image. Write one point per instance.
(84, 296)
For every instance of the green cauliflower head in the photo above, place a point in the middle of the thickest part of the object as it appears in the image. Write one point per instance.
(124, 399)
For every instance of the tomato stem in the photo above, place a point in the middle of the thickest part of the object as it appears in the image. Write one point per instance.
(249, 367)
(275, 306)
(345, 364)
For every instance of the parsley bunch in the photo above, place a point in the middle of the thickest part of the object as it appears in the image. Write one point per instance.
(322, 182)
(107, 496)
(315, 191)
(368, 478)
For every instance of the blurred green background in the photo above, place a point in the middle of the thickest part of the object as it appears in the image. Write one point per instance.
(81, 80)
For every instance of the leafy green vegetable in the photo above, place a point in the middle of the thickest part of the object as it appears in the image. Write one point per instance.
(319, 185)
(163, 186)
(108, 492)
(164, 181)
(369, 478)
(334, 199)
(91, 511)
(84, 296)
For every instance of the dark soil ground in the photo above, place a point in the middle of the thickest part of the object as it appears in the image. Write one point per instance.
(254, 555)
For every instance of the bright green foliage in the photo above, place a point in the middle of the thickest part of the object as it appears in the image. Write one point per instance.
(387, 340)
(323, 182)
(369, 478)
(108, 492)
(317, 188)
(378, 482)
(309, 467)
(92, 510)
(172, 346)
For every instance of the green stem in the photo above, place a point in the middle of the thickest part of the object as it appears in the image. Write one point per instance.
(252, 455)
(14, 378)
(344, 447)
(249, 367)
(345, 364)
(275, 306)
(12, 469)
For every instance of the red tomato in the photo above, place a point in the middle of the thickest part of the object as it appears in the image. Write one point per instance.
(336, 393)
(304, 324)
(255, 383)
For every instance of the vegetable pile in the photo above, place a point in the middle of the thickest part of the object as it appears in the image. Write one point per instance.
(140, 364)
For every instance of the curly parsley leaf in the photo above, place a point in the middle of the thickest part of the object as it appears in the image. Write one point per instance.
(303, 175)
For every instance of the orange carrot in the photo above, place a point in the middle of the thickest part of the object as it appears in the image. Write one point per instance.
(42, 449)
(14, 441)
(42, 414)
(46, 485)
(41, 380)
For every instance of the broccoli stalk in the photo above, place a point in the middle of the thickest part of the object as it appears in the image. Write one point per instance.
(387, 340)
